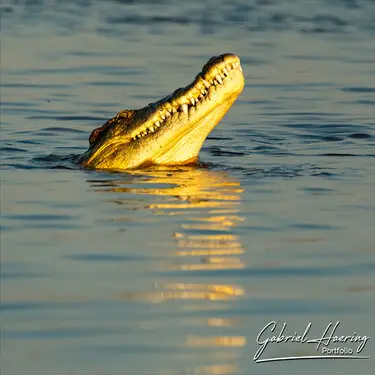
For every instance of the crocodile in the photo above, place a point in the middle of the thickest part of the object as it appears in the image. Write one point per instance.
(172, 130)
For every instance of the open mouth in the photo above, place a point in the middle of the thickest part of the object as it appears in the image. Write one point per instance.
(215, 75)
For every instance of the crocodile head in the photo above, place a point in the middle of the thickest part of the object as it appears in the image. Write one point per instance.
(170, 131)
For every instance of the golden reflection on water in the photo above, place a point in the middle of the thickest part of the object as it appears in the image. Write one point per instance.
(209, 205)
(206, 207)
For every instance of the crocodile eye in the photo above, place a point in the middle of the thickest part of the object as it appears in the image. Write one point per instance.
(98, 131)
(94, 135)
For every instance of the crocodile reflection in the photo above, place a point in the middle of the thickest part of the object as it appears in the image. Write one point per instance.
(206, 208)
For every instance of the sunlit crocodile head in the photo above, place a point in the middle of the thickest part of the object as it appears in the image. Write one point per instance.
(170, 131)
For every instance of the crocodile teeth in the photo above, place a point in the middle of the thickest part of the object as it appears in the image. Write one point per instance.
(185, 108)
(207, 84)
(204, 88)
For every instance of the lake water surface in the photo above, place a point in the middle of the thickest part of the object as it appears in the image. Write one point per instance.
(177, 270)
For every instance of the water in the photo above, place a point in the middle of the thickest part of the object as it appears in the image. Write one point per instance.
(177, 270)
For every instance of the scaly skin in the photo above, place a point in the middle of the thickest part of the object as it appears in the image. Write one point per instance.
(172, 130)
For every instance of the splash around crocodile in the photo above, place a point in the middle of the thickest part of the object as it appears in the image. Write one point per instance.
(172, 130)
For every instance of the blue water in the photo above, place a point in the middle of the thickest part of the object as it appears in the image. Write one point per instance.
(177, 270)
